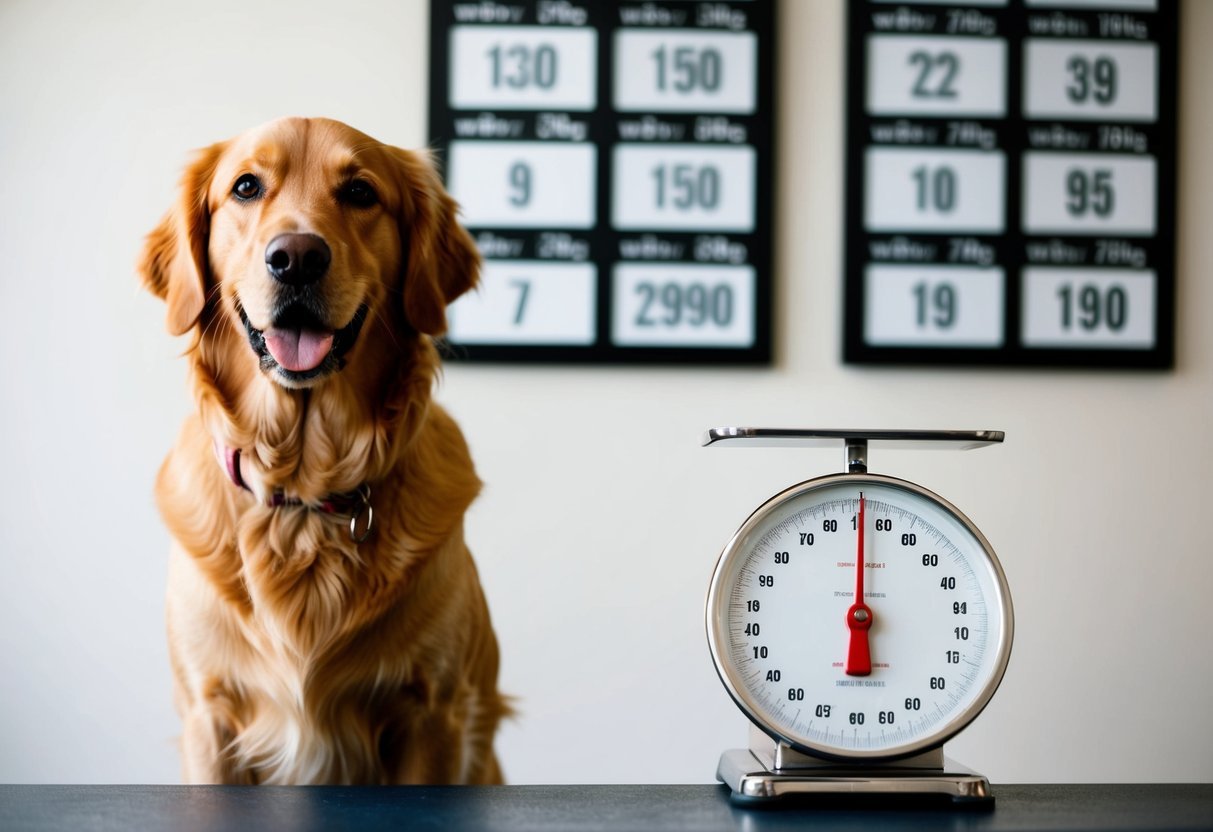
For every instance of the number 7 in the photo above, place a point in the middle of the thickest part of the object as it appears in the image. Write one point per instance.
(524, 292)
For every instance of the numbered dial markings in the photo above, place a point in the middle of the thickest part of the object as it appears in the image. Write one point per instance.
(934, 594)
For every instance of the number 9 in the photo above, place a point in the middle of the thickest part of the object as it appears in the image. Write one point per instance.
(520, 182)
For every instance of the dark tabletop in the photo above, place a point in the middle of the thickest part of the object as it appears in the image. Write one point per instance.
(650, 808)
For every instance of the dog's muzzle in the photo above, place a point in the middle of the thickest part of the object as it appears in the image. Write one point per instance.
(299, 347)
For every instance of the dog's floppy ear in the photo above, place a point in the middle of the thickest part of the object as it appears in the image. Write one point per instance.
(442, 260)
(173, 262)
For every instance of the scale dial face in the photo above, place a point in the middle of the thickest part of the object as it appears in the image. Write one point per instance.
(889, 672)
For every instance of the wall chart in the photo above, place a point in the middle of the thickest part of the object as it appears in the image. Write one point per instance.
(1011, 183)
(613, 161)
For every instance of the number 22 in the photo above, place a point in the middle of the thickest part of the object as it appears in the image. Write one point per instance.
(947, 62)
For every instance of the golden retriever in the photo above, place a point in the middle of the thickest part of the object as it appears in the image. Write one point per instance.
(325, 619)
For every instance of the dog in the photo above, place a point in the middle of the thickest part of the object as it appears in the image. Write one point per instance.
(325, 619)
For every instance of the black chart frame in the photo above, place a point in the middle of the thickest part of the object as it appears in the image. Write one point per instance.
(1010, 246)
(604, 240)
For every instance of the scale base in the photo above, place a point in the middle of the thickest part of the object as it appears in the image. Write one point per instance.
(755, 781)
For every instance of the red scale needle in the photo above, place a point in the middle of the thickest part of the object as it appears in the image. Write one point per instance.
(859, 615)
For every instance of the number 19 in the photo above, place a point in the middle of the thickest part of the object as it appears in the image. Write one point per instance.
(935, 306)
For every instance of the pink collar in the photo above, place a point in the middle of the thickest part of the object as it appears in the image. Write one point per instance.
(353, 504)
(231, 460)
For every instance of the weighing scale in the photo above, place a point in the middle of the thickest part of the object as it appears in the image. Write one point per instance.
(859, 621)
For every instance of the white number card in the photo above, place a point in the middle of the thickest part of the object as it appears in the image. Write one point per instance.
(524, 184)
(936, 75)
(1144, 5)
(683, 187)
(952, 305)
(954, 190)
(528, 302)
(1072, 193)
(614, 163)
(657, 304)
(524, 67)
(1090, 80)
(685, 71)
(1011, 183)
(1089, 307)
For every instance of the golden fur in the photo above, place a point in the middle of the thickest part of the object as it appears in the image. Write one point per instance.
(298, 655)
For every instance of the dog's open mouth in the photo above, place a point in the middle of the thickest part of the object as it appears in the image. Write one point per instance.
(299, 346)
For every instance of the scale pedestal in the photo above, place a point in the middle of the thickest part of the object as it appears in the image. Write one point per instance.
(769, 770)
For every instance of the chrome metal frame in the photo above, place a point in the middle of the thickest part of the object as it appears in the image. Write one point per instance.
(962, 440)
(752, 780)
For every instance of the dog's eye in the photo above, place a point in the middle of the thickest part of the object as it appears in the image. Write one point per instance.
(247, 187)
(358, 192)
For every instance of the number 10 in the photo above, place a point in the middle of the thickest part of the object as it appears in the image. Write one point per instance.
(936, 189)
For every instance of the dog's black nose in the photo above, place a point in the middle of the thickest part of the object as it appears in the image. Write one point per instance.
(297, 259)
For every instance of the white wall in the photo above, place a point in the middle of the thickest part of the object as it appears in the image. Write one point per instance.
(602, 517)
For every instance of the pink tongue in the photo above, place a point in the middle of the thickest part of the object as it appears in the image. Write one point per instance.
(298, 350)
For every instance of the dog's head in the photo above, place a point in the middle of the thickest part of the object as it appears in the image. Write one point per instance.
(299, 232)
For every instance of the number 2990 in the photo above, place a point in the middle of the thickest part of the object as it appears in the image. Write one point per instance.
(694, 304)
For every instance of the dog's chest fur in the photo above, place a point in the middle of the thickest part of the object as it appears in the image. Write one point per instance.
(301, 698)
(295, 725)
